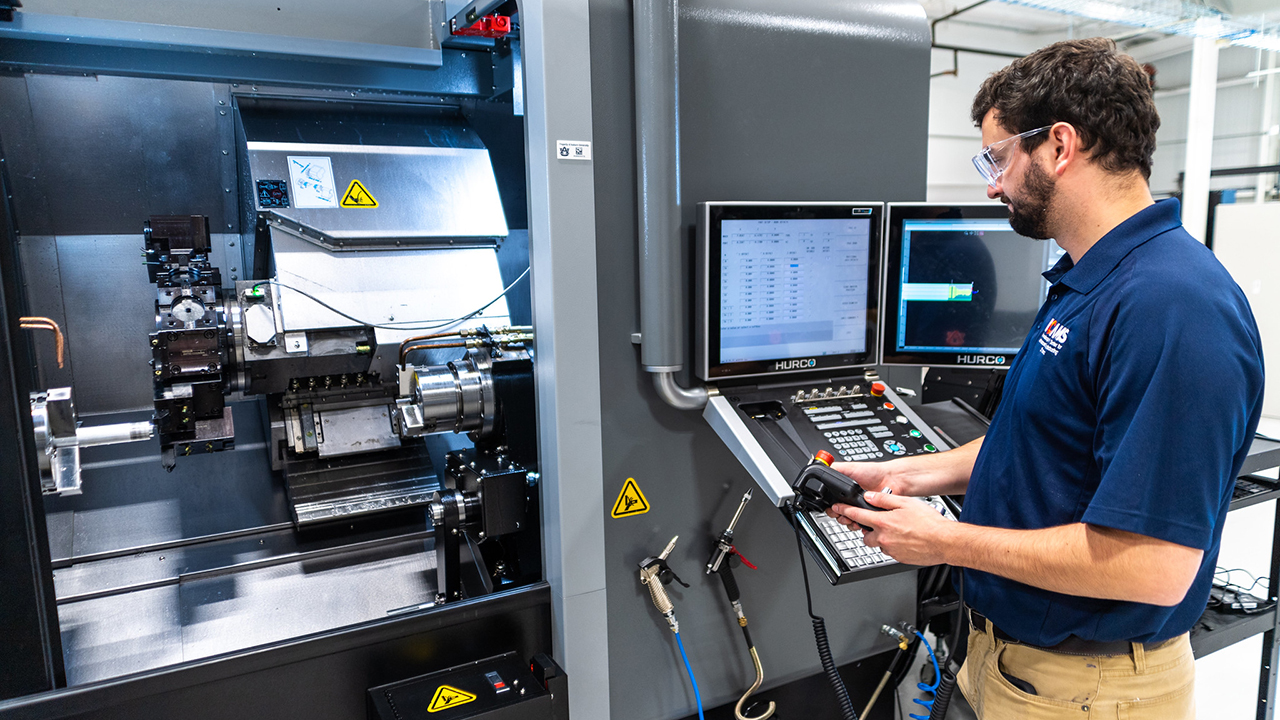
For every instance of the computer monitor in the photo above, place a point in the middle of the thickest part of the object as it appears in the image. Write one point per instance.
(961, 288)
(786, 288)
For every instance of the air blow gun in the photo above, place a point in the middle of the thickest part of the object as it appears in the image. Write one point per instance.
(655, 574)
(721, 563)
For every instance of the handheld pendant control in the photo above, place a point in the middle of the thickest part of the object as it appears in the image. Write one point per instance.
(819, 486)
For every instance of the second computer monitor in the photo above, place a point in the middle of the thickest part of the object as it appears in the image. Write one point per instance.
(961, 287)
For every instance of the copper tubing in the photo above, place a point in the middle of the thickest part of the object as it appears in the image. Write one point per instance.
(404, 351)
(44, 323)
(417, 338)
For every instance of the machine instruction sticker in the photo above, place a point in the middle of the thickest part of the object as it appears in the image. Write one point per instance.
(358, 196)
(630, 501)
(311, 180)
(447, 697)
(573, 150)
(273, 194)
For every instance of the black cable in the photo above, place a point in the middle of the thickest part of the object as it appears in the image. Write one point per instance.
(960, 618)
(942, 695)
(947, 679)
(820, 631)
(1226, 582)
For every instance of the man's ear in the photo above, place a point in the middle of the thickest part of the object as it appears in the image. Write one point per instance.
(1065, 143)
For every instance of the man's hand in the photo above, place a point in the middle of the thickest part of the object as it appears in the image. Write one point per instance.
(944, 473)
(910, 531)
(870, 475)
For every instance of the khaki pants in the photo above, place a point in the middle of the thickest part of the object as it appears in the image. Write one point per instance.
(1148, 684)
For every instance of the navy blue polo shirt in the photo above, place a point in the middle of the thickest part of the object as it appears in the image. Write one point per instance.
(1131, 405)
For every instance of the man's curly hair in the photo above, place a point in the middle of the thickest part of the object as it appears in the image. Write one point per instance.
(1090, 84)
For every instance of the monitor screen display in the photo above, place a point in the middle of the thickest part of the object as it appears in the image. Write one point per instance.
(787, 288)
(962, 288)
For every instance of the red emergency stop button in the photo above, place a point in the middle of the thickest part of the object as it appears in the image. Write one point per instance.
(878, 388)
(824, 457)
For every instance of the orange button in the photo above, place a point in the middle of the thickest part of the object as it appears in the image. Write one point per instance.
(889, 406)
(824, 457)
(878, 388)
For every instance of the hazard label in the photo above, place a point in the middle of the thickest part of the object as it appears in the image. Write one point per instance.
(449, 697)
(358, 196)
(630, 501)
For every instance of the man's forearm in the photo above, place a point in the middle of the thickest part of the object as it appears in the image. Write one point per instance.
(1077, 559)
(945, 473)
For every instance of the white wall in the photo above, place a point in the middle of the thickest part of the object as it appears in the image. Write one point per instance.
(1237, 117)
(1247, 242)
(953, 139)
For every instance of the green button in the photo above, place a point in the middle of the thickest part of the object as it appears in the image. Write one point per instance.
(915, 433)
(930, 448)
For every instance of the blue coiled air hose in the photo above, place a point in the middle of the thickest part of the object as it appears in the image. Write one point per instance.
(923, 687)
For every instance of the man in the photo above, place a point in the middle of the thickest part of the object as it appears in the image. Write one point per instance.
(1095, 503)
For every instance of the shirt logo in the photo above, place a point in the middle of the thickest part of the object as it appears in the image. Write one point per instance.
(1053, 337)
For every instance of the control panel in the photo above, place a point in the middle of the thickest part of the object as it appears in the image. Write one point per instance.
(870, 427)
(776, 429)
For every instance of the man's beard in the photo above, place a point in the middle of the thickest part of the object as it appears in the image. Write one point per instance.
(1029, 214)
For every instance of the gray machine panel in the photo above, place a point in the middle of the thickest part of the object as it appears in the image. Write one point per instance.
(146, 148)
(814, 101)
(400, 31)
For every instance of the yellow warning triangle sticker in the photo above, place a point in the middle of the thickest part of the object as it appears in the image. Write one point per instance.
(630, 501)
(358, 196)
(449, 697)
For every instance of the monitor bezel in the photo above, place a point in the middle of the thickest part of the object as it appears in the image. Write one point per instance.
(895, 213)
(710, 217)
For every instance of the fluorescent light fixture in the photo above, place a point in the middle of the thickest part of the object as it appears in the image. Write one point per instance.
(1174, 17)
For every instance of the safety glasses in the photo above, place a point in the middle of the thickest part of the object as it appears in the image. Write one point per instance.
(993, 160)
